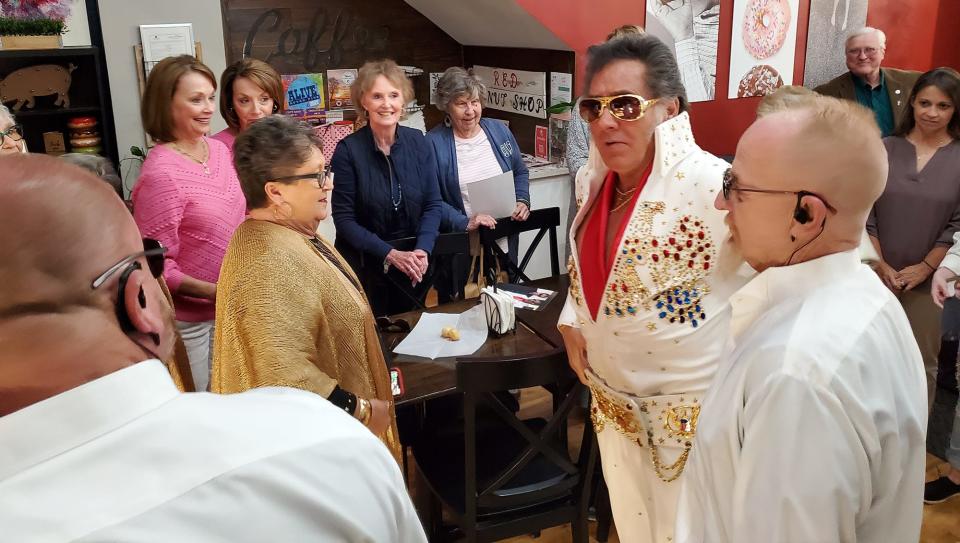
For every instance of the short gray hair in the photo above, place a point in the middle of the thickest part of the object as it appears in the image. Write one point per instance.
(661, 75)
(866, 31)
(457, 82)
(270, 148)
(4, 112)
(99, 166)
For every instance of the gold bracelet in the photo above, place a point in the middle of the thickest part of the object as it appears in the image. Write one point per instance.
(364, 410)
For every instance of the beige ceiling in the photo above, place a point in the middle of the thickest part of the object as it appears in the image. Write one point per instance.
(491, 23)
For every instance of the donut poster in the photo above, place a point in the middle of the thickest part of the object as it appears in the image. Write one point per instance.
(763, 46)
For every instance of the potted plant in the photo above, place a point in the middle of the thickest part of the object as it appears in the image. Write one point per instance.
(33, 24)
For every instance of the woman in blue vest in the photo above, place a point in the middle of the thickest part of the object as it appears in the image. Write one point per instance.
(470, 148)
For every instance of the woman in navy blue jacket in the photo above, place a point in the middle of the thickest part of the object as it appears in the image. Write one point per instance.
(470, 148)
(386, 189)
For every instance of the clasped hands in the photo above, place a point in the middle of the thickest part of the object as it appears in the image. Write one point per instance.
(413, 264)
(905, 279)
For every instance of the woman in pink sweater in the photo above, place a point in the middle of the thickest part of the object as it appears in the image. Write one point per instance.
(188, 197)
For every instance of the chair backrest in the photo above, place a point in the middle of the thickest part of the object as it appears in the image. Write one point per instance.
(544, 221)
(480, 379)
(455, 243)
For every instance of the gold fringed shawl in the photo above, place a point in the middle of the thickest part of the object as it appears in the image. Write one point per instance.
(178, 365)
(286, 316)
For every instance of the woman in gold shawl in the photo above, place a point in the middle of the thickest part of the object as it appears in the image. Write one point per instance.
(290, 310)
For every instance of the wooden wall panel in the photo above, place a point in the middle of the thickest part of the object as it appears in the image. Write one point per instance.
(302, 36)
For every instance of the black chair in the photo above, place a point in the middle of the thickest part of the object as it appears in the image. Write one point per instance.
(544, 221)
(500, 476)
(457, 243)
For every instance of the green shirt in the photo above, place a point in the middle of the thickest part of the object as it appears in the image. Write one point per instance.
(878, 100)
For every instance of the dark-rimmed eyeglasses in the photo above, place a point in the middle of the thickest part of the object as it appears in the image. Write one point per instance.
(626, 107)
(323, 177)
(15, 133)
(152, 251)
(729, 182)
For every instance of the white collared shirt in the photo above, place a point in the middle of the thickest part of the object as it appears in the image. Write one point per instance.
(129, 458)
(814, 428)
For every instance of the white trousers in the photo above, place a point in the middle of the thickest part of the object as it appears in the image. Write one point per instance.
(644, 507)
(198, 339)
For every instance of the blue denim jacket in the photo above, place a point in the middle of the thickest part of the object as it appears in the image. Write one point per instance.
(506, 150)
(362, 195)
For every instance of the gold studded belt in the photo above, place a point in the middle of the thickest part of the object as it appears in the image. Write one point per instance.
(653, 422)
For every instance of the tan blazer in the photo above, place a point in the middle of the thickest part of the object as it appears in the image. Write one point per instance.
(899, 85)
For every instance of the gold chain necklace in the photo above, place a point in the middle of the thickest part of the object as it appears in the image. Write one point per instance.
(202, 163)
(622, 198)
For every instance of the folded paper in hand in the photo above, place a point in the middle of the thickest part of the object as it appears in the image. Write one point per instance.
(496, 196)
(424, 340)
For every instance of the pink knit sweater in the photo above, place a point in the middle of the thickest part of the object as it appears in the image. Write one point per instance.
(192, 214)
(226, 137)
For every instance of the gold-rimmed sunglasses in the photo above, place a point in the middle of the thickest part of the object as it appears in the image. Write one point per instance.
(323, 177)
(626, 107)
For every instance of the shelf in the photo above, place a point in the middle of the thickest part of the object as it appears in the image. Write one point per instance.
(60, 52)
(31, 113)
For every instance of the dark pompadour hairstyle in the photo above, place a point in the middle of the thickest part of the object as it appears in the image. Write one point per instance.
(662, 73)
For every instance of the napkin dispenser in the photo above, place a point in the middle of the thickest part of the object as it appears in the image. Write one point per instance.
(499, 311)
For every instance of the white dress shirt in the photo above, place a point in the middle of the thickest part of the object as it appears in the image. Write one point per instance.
(129, 458)
(814, 428)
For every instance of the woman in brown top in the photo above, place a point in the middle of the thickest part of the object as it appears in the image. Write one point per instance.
(913, 222)
(292, 311)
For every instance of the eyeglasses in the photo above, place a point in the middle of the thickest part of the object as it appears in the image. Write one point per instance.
(15, 133)
(728, 186)
(323, 177)
(153, 251)
(868, 51)
(626, 107)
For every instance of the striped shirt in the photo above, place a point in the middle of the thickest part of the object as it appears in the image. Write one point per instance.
(475, 162)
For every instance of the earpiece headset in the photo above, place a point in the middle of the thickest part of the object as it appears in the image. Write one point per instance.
(801, 214)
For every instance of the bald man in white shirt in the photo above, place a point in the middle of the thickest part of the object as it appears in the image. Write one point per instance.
(96, 442)
(814, 427)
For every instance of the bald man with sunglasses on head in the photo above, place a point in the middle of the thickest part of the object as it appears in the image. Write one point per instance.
(814, 426)
(97, 442)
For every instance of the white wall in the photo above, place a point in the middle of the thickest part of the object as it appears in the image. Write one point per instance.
(78, 31)
(121, 20)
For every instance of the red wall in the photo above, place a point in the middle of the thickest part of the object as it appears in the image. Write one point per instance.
(920, 34)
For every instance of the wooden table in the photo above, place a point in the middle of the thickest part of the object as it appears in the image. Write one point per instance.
(424, 379)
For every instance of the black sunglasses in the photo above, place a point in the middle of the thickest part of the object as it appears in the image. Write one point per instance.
(729, 180)
(322, 177)
(153, 251)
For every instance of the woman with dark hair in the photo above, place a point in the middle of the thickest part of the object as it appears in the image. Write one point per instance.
(291, 312)
(250, 90)
(913, 222)
(187, 197)
(646, 317)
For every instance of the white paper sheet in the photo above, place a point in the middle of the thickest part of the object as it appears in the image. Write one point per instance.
(496, 196)
(424, 340)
